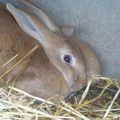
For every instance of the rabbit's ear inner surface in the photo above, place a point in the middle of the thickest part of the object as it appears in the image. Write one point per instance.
(42, 16)
(67, 31)
(23, 19)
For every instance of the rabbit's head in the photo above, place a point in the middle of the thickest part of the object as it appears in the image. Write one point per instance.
(66, 57)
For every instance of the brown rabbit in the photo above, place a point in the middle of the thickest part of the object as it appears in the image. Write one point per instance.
(60, 65)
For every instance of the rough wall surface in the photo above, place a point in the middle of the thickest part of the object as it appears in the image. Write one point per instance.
(96, 22)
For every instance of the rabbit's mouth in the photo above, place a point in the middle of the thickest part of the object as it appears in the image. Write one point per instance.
(78, 84)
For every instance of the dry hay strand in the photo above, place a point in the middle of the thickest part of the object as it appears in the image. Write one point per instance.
(98, 101)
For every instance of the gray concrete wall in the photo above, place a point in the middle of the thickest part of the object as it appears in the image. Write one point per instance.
(96, 22)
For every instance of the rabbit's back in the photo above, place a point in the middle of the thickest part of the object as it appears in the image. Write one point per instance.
(13, 41)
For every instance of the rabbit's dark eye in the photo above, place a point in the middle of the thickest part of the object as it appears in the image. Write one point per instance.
(67, 58)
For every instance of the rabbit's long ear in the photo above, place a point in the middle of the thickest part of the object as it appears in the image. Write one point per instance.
(24, 20)
(31, 25)
(45, 19)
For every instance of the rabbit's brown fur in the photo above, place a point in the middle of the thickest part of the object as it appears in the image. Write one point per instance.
(42, 76)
